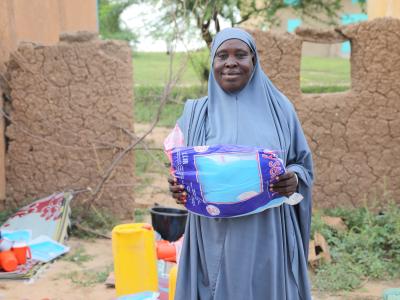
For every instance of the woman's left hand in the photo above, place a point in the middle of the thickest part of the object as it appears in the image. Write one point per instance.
(285, 184)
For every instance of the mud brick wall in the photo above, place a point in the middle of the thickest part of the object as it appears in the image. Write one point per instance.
(68, 105)
(280, 57)
(354, 135)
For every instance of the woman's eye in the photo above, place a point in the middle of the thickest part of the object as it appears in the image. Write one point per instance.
(222, 56)
(241, 55)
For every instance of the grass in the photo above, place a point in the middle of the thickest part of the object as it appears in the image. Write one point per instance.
(324, 72)
(151, 69)
(146, 163)
(140, 215)
(89, 277)
(147, 100)
(318, 75)
(323, 89)
(100, 220)
(370, 248)
(78, 256)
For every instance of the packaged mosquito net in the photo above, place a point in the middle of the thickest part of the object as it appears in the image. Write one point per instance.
(228, 180)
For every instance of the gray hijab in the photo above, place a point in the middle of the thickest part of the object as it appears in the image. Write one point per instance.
(258, 115)
(255, 115)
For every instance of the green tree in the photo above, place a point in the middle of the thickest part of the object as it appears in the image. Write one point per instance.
(110, 20)
(207, 14)
(183, 16)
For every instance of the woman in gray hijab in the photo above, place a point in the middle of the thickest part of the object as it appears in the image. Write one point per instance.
(258, 256)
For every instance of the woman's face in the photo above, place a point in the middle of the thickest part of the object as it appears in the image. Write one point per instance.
(233, 65)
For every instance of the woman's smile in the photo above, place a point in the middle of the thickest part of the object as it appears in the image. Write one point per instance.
(233, 65)
(231, 76)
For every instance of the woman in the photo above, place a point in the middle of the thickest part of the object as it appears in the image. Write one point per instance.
(264, 255)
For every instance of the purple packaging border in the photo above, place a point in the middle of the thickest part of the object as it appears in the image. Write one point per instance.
(184, 169)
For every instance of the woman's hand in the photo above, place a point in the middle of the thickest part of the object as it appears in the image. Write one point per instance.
(285, 184)
(178, 191)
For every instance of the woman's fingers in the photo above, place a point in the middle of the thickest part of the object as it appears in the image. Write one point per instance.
(288, 176)
(285, 184)
(176, 188)
(178, 191)
(180, 198)
(172, 180)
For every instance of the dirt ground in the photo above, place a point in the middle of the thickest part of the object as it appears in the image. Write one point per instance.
(66, 279)
(80, 274)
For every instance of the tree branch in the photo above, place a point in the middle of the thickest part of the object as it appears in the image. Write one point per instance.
(166, 93)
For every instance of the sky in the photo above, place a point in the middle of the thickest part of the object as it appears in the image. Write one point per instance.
(138, 17)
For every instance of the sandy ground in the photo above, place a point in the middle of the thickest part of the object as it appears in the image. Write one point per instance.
(80, 274)
(66, 279)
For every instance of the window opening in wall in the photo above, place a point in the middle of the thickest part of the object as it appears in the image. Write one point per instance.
(324, 68)
(291, 2)
(348, 19)
(292, 24)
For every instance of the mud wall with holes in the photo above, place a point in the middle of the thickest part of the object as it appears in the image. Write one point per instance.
(69, 103)
(354, 135)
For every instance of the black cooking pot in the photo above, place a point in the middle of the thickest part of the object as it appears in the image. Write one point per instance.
(168, 222)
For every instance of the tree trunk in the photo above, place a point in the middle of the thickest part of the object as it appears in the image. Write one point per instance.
(205, 33)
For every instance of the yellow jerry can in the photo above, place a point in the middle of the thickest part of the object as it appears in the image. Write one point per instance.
(135, 261)
(172, 282)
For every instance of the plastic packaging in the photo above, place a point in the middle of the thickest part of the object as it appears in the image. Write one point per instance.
(21, 235)
(227, 180)
(135, 262)
(45, 249)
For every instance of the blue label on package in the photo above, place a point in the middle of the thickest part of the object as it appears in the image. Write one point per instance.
(227, 180)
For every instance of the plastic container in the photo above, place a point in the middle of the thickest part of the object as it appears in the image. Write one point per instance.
(22, 252)
(391, 294)
(8, 261)
(169, 222)
(140, 296)
(135, 261)
(5, 244)
(166, 250)
(172, 282)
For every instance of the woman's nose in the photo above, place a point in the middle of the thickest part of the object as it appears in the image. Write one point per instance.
(231, 61)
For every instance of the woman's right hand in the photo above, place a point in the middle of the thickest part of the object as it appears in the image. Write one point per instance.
(178, 191)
